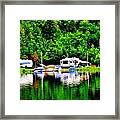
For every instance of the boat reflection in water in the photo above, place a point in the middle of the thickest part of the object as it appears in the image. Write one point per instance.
(26, 79)
(60, 86)
(73, 78)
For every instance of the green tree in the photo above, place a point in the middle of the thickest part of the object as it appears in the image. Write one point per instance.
(57, 39)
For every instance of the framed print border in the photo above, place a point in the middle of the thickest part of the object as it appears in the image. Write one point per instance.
(117, 58)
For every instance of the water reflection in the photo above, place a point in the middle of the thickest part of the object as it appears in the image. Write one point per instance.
(72, 78)
(60, 86)
(26, 79)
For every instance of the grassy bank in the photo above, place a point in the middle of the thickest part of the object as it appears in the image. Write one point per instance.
(91, 69)
(26, 71)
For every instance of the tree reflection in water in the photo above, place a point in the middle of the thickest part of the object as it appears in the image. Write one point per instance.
(60, 86)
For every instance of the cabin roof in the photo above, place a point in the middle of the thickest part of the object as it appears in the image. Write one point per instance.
(85, 62)
(74, 58)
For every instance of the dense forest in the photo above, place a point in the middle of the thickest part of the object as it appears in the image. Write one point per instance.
(57, 39)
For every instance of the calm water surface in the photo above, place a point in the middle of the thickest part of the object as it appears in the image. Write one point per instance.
(60, 86)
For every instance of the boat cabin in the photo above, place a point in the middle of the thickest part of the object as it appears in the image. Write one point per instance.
(68, 62)
(26, 63)
(73, 62)
(84, 63)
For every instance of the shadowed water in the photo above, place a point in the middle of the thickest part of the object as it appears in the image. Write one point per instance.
(60, 86)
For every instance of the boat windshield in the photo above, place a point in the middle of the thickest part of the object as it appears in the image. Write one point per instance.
(65, 62)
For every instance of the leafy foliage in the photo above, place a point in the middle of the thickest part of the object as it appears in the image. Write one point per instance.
(57, 39)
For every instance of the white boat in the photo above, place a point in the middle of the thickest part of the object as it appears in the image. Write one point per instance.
(67, 62)
(72, 62)
(26, 63)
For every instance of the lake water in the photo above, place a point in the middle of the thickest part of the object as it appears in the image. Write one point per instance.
(60, 86)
